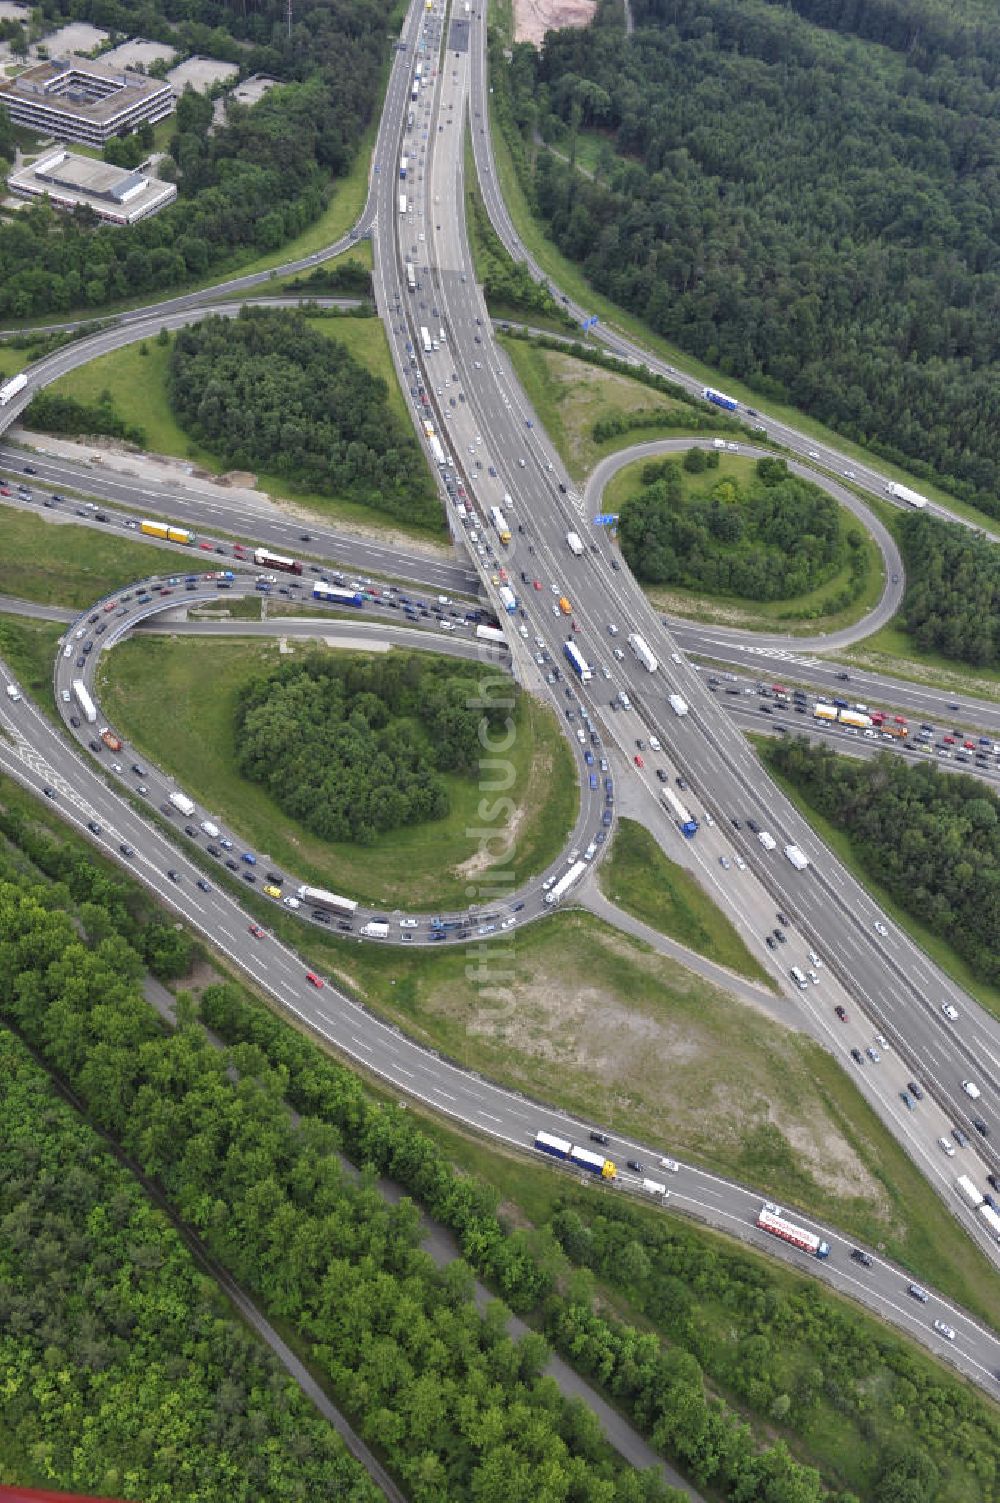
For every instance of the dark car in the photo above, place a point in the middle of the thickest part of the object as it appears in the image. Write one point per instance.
(861, 1257)
(276, 878)
(174, 876)
(915, 1090)
(915, 1291)
(736, 823)
(781, 918)
(980, 1127)
(140, 772)
(190, 830)
(49, 792)
(841, 1012)
(779, 936)
(74, 721)
(126, 850)
(754, 826)
(95, 746)
(769, 940)
(600, 1137)
(634, 1165)
(93, 826)
(857, 1056)
(205, 886)
(249, 877)
(233, 865)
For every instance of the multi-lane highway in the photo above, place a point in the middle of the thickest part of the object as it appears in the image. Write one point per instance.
(467, 390)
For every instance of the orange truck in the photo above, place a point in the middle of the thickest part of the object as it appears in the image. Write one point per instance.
(111, 741)
(565, 606)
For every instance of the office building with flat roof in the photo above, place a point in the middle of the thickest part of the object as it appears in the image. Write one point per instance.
(74, 99)
(115, 193)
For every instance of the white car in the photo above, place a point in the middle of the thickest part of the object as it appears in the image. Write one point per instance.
(813, 977)
(710, 822)
(547, 883)
(880, 928)
(671, 1165)
(813, 454)
(612, 628)
(946, 1147)
(971, 1089)
(740, 863)
(65, 696)
(654, 744)
(409, 923)
(291, 902)
(619, 654)
(508, 923)
(949, 1011)
(815, 960)
(882, 1041)
(948, 1332)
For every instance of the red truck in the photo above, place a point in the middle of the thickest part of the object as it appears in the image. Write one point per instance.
(111, 741)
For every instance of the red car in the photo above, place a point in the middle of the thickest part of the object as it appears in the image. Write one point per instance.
(537, 583)
(841, 1013)
(969, 745)
(314, 980)
(256, 931)
(638, 760)
(206, 547)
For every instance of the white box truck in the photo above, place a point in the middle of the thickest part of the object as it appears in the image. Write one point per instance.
(182, 802)
(677, 704)
(767, 841)
(968, 1191)
(797, 857)
(372, 930)
(574, 543)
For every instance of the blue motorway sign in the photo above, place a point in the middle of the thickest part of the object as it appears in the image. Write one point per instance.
(606, 519)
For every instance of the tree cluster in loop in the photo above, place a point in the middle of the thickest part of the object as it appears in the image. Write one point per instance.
(815, 216)
(771, 537)
(266, 391)
(353, 747)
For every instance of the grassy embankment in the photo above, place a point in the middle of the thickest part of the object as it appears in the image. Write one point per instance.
(136, 377)
(642, 880)
(177, 701)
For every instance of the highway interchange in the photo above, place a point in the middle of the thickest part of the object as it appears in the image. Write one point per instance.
(900, 991)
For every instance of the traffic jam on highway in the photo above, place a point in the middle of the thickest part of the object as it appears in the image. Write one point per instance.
(542, 624)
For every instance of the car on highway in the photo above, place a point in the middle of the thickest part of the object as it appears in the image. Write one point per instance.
(638, 760)
(600, 1137)
(671, 1166)
(725, 863)
(314, 980)
(255, 930)
(915, 1090)
(946, 1147)
(873, 1054)
(126, 850)
(945, 1330)
(857, 1056)
(204, 886)
(634, 1165)
(880, 928)
(861, 1257)
(841, 1012)
(908, 1101)
(174, 875)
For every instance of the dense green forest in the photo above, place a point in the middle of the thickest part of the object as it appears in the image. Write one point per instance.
(252, 184)
(356, 746)
(266, 391)
(225, 1154)
(761, 1342)
(930, 839)
(458, 1408)
(123, 1372)
(769, 537)
(952, 600)
(816, 216)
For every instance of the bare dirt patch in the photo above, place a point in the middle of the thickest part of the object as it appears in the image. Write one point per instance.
(533, 18)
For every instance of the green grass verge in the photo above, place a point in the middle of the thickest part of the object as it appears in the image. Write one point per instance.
(13, 360)
(567, 276)
(570, 395)
(572, 1011)
(60, 563)
(137, 382)
(29, 648)
(643, 881)
(177, 701)
(751, 615)
(938, 949)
